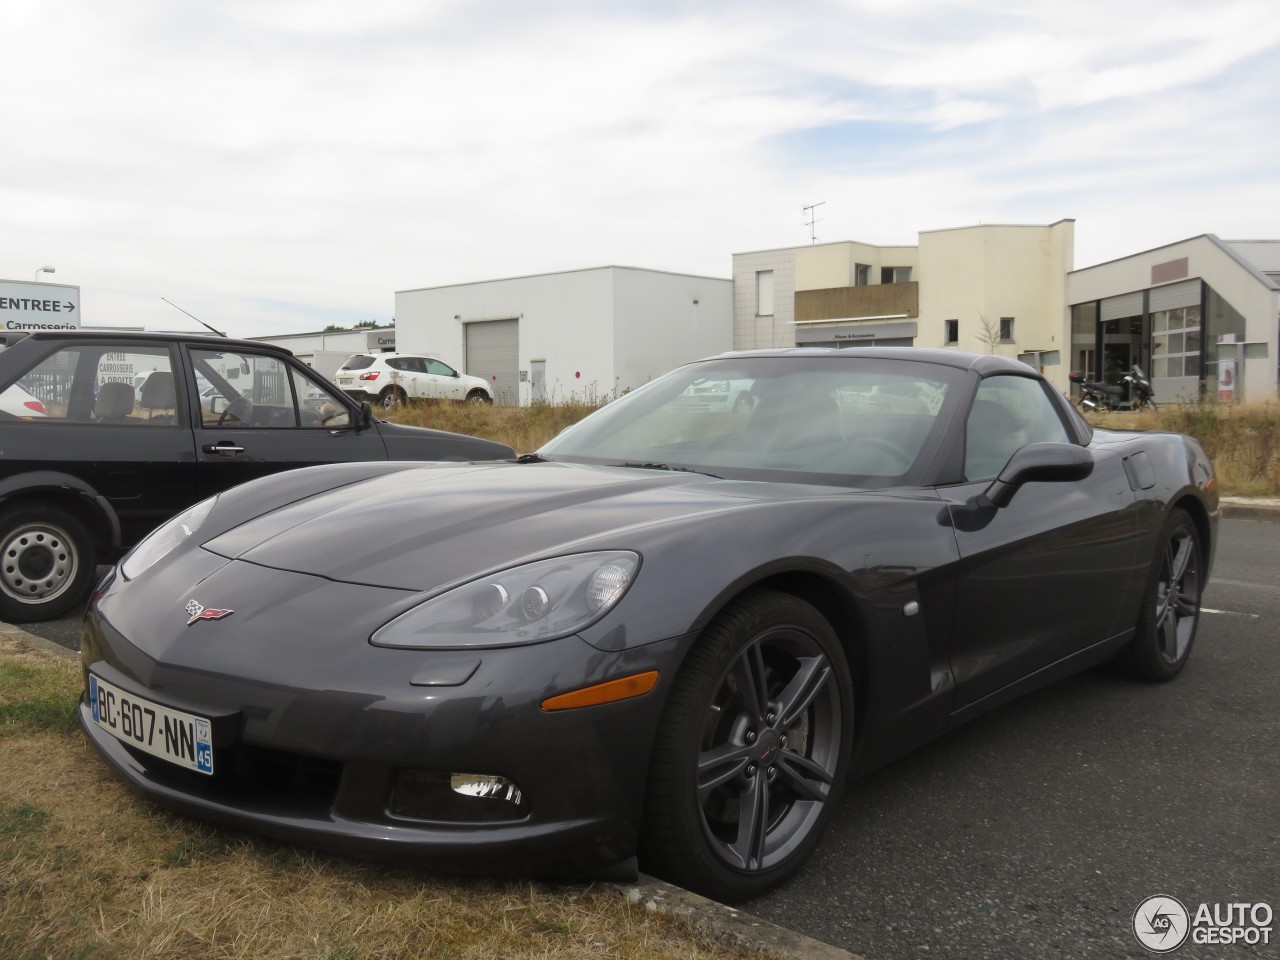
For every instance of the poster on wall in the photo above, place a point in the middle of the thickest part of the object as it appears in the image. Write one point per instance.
(1226, 381)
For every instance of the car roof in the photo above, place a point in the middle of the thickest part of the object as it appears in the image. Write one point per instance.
(143, 336)
(984, 364)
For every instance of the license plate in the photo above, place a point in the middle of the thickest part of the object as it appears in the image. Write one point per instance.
(345, 381)
(172, 735)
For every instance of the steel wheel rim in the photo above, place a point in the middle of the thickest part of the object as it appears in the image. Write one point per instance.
(768, 750)
(1178, 596)
(38, 563)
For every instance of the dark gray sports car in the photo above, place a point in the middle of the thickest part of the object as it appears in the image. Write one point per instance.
(674, 633)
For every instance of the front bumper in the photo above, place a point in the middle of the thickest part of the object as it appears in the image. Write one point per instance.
(318, 729)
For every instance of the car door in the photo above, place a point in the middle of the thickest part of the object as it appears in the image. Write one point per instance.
(1044, 577)
(130, 445)
(267, 413)
(447, 382)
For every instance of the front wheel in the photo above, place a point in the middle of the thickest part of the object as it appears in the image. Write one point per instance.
(751, 753)
(47, 563)
(1170, 610)
(479, 396)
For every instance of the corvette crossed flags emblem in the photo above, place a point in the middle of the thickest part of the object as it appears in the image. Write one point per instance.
(205, 613)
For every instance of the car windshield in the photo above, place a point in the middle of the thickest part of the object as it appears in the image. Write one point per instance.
(833, 419)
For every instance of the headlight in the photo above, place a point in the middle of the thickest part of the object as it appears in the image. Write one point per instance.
(538, 601)
(164, 539)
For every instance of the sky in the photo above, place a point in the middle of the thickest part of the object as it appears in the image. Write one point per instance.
(277, 166)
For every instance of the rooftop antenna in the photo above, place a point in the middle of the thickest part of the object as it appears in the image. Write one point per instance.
(809, 211)
(192, 316)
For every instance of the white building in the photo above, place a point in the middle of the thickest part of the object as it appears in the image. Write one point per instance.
(324, 352)
(1201, 317)
(993, 288)
(589, 334)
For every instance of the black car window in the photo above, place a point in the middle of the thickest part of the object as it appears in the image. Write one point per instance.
(358, 362)
(113, 384)
(318, 405)
(250, 390)
(1008, 413)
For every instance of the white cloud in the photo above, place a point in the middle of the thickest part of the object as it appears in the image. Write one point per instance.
(279, 165)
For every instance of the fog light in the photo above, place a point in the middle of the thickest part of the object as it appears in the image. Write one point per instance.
(456, 797)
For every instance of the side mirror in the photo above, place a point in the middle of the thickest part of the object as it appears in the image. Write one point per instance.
(366, 415)
(1039, 463)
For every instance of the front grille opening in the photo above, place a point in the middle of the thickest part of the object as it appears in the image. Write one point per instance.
(246, 775)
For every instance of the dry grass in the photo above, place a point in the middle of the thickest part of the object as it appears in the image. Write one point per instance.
(1243, 441)
(89, 871)
(523, 428)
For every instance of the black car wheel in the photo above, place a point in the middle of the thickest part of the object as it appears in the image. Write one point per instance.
(752, 750)
(46, 563)
(1170, 604)
(479, 396)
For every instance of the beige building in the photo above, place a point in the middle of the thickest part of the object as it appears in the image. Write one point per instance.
(994, 288)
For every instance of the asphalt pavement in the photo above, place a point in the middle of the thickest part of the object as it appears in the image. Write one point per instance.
(1038, 829)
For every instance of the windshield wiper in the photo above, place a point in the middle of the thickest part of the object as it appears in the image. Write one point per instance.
(668, 466)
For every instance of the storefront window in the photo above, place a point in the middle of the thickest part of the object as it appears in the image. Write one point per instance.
(1175, 342)
(1222, 319)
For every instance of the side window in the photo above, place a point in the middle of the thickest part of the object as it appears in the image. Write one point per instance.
(1008, 413)
(438, 368)
(240, 390)
(320, 408)
(119, 384)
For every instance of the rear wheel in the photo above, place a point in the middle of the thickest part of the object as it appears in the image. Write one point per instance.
(1170, 611)
(390, 398)
(752, 750)
(47, 563)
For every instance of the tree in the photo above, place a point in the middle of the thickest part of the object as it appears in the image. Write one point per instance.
(333, 328)
(990, 333)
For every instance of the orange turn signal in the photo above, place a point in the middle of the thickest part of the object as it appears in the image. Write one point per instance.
(624, 688)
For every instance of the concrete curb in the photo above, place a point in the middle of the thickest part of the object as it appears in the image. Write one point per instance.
(1251, 508)
(32, 642)
(726, 925)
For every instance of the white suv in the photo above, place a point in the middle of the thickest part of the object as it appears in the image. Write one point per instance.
(388, 379)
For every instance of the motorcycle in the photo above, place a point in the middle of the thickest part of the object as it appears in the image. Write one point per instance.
(1133, 392)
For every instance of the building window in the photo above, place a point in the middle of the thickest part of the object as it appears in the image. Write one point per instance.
(895, 274)
(861, 274)
(953, 331)
(1175, 342)
(764, 293)
(1006, 329)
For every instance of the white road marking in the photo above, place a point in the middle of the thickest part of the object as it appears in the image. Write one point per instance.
(1230, 613)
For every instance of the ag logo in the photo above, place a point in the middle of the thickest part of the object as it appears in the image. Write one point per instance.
(1161, 924)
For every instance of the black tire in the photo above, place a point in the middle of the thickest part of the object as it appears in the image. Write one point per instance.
(479, 396)
(390, 398)
(47, 563)
(759, 718)
(1170, 611)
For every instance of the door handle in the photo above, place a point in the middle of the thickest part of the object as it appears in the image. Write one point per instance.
(223, 448)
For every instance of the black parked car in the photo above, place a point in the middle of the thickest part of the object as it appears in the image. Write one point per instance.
(675, 631)
(104, 435)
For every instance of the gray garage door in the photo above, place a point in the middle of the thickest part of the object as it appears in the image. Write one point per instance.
(491, 352)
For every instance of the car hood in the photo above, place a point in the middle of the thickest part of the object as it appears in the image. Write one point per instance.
(427, 527)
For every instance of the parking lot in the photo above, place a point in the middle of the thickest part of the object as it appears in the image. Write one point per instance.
(1038, 829)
